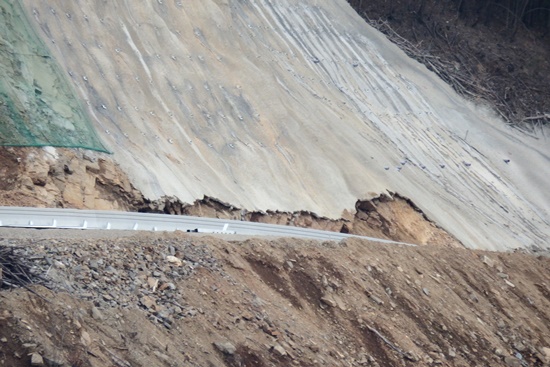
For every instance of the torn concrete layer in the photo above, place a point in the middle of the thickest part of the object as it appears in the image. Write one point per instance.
(293, 105)
(384, 216)
(83, 180)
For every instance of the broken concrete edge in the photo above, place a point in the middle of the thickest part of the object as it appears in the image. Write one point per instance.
(56, 179)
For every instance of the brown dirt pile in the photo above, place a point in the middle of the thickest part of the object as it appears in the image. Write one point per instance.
(171, 300)
(64, 178)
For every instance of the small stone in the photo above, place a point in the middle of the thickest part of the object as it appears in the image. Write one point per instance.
(36, 360)
(96, 314)
(509, 284)
(4, 340)
(163, 357)
(152, 283)
(279, 350)
(53, 361)
(499, 352)
(520, 347)
(512, 362)
(376, 299)
(157, 274)
(174, 260)
(148, 302)
(327, 300)
(59, 264)
(85, 338)
(93, 264)
(225, 347)
(426, 291)
(503, 275)
(411, 356)
(488, 261)
(452, 353)
(314, 347)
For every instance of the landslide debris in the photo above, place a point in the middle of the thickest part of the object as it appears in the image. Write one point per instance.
(65, 178)
(177, 299)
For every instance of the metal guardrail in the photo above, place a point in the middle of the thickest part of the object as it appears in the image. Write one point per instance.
(106, 220)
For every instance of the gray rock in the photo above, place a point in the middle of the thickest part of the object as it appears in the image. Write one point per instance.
(512, 362)
(488, 261)
(96, 314)
(327, 300)
(93, 264)
(520, 347)
(163, 357)
(51, 361)
(36, 360)
(225, 347)
(452, 353)
(426, 291)
(376, 299)
(279, 350)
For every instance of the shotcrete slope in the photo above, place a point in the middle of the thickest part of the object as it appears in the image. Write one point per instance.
(292, 105)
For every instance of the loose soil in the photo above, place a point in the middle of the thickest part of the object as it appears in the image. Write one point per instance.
(178, 299)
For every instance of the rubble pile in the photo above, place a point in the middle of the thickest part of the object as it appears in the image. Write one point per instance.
(189, 300)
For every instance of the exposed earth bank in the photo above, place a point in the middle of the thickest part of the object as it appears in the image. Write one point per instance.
(66, 178)
(181, 300)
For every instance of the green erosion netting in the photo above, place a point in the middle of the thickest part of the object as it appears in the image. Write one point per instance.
(38, 107)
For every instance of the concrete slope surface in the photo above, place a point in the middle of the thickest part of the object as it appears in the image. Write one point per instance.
(292, 105)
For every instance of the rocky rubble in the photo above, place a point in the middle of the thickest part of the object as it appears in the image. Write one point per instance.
(178, 299)
(114, 276)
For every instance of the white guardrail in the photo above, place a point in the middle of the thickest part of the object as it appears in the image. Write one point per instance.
(101, 219)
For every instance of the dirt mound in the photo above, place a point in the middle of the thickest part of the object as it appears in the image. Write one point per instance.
(176, 299)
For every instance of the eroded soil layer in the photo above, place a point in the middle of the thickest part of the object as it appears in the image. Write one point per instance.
(179, 299)
(89, 180)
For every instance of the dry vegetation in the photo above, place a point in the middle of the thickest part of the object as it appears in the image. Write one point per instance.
(492, 50)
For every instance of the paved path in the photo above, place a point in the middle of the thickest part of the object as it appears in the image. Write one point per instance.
(111, 220)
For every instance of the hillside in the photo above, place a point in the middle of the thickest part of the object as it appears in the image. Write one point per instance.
(180, 300)
(290, 106)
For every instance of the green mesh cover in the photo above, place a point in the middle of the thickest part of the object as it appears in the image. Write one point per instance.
(38, 106)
